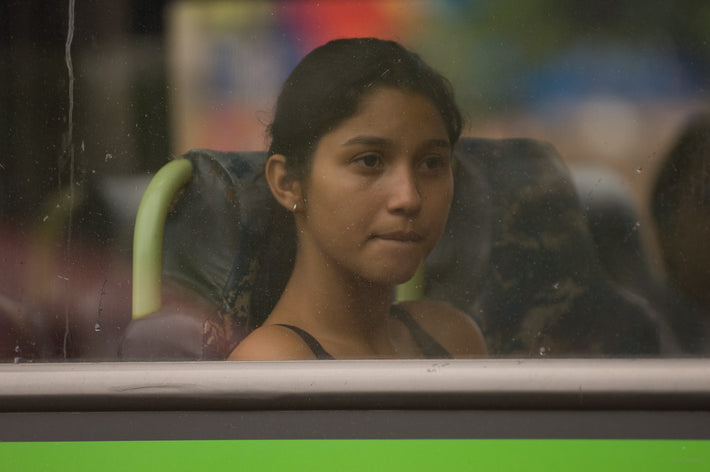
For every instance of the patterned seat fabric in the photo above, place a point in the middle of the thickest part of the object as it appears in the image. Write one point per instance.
(518, 257)
(213, 234)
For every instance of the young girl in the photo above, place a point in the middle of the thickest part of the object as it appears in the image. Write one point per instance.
(360, 157)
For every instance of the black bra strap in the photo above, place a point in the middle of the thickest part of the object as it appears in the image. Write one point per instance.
(430, 347)
(312, 342)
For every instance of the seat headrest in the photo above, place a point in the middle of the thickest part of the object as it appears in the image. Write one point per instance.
(538, 288)
(216, 226)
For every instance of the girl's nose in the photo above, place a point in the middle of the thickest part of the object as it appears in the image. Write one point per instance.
(404, 195)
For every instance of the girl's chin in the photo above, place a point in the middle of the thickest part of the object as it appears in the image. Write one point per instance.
(394, 277)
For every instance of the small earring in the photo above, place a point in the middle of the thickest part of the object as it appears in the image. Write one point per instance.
(295, 205)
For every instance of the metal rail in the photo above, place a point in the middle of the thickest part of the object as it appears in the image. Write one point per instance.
(681, 384)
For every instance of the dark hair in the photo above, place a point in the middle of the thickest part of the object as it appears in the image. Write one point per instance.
(682, 173)
(684, 179)
(322, 91)
(328, 85)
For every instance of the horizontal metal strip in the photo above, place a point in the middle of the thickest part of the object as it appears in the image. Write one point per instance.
(503, 383)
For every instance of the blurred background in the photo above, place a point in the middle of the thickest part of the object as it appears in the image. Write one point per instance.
(97, 95)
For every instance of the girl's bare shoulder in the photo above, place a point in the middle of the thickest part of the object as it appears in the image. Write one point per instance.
(451, 327)
(272, 343)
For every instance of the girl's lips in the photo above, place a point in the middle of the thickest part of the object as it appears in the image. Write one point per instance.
(402, 236)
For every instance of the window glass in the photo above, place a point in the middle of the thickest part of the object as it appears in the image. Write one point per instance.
(591, 245)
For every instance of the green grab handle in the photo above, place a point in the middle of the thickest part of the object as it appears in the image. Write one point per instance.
(413, 289)
(148, 235)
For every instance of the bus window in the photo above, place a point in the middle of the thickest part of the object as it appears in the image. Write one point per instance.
(580, 205)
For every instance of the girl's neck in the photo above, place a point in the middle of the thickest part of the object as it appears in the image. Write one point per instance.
(334, 303)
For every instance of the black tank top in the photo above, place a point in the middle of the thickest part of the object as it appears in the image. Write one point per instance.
(427, 344)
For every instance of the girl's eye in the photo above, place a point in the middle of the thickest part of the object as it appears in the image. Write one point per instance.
(369, 160)
(434, 162)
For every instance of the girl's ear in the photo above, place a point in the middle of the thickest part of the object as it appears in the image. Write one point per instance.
(285, 188)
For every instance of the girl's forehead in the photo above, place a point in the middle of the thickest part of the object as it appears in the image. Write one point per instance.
(386, 93)
(388, 108)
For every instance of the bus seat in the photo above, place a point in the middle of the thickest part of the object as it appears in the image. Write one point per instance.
(65, 275)
(198, 228)
(518, 257)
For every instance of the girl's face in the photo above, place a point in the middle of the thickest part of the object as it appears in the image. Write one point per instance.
(379, 190)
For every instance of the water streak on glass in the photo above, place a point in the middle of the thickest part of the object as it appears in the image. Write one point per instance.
(69, 151)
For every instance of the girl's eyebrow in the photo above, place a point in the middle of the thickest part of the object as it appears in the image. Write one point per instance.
(368, 141)
(437, 143)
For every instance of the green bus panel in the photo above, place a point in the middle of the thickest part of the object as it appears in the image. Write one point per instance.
(548, 455)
